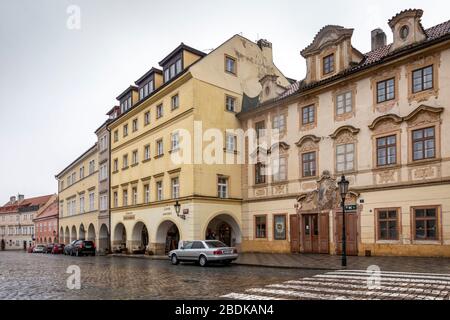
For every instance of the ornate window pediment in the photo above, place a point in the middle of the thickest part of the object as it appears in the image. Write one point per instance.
(307, 143)
(423, 115)
(344, 134)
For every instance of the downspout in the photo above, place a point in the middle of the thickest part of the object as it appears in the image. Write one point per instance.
(109, 187)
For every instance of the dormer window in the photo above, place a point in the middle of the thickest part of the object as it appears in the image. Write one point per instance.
(125, 104)
(173, 68)
(146, 89)
(328, 64)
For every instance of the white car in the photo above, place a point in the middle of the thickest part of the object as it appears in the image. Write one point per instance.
(40, 248)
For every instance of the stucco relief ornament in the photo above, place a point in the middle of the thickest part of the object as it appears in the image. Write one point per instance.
(327, 196)
(386, 176)
(423, 173)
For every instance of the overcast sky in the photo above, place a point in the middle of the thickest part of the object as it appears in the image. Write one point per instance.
(57, 84)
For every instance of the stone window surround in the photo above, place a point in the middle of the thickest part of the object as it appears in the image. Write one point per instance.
(346, 135)
(325, 53)
(439, 226)
(422, 62)
(388, 105)
(345, 88)
(305, 103)
(307, 144)
(399, 226)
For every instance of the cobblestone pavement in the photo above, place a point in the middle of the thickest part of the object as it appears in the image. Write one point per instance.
(43, 276)
(354, 285)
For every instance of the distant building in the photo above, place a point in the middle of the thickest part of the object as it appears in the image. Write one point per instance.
(46, 224)
(16, 220)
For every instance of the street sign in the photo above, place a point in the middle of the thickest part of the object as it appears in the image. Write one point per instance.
(350, 207)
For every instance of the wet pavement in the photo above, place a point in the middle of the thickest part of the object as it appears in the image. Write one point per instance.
(43, 276)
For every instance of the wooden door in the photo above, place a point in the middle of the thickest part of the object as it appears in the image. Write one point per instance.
(294, 227)
(351, 226)
(310, 233)
(324, 233)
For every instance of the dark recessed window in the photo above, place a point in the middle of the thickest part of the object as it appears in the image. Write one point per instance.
(385, 90)
(171, 70)
(159, 111)
(328, 64)
(308, 114)
(175, 102)
(387, 225)
(424, 144)
(422, 79)
(146, 89)
(387, 151)
(125, 104)
(260, 173)
(426, 224)
(260, 226)
(404, 32)
(230, 103)
(230, 65)
(309, 164)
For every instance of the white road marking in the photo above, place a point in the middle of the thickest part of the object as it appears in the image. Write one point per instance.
(243, 296)
(306, 295)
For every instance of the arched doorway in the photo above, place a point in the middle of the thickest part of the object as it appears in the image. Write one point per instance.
(224, 228)
(67, 236)
(45, 240)
(120, 238)
(82, 234)
(91, 232)
(103, 238)
(73, 234)
(61, 235)
(167, 237)
(139, 238)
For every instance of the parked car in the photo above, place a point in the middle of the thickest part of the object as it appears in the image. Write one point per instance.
(58, 248)
(68, 248)
(204, 252)
(83, 247)
(49, 247)
(40, 248)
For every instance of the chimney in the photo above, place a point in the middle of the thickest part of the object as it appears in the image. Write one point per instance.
(378, 39)
(266, 48)
(21, 197)
(12, 199)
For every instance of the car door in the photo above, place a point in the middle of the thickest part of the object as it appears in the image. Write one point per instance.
(183, 252)
(197, 249)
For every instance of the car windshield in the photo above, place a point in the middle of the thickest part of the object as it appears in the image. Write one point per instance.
(215, 244)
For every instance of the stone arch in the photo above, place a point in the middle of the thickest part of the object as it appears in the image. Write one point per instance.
(139, 237)
(45, 239)
(103, 243)
(167, 237)
(339, 131)
(91, 233)
(73, 234)
(67, 235)
(119, 237)
(225, 227)
(392, 118)
(82, 233)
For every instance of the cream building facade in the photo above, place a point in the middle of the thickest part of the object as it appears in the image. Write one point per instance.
(194, 92)
(381, 119)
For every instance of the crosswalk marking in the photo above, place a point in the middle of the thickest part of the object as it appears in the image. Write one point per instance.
(354, 285)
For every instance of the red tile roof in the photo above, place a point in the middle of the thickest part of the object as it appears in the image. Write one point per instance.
(50, 211)
(36, 201)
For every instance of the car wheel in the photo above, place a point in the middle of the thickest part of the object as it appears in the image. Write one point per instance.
(202, 261)
(174, 259)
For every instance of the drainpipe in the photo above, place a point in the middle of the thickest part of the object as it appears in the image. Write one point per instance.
(109, 187)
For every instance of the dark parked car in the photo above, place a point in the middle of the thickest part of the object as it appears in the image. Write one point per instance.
(68, 248)
(83, 247)
(49, 247)
(58, 248)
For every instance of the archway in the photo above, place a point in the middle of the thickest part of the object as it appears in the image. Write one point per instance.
(82, 233)
(224, 227)
(103, 242)
(167, 237)
(91, 232)
(139, 238)
(61, 235)
(120, 238)
(45, 240)
(67, 236)
(73, 234)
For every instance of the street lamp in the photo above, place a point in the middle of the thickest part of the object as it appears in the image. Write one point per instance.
(343, 190)
(177, 206)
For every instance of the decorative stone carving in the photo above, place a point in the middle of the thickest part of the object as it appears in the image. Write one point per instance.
(261, 192)
(388, 122)
(279, 189)
(386, 176)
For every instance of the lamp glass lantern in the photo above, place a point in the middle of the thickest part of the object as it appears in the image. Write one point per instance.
(343, 187)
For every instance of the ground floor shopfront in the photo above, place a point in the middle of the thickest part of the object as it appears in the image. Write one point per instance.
(157, 229)
(409, 221)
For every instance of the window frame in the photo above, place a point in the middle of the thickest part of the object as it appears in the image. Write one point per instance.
(285, 226)
(387, 220)
(261, 166)
(234, 71)
(234, 100)
(437, 220)
(255, 224)
(345, 155)
(385, 82)
(221, 185)
(423, 141)
(421, 70)
(175, 102)
(310, 107)
(331, 62)
(309, 161)
(386, 147)
(344, 106)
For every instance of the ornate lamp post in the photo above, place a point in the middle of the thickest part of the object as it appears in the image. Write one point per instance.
(177, 206)
(343, 190)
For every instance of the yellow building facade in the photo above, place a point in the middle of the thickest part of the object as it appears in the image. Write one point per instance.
(161, 147)
(381, 119)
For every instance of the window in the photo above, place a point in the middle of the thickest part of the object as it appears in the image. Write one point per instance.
(230, 142)
(175, 102)
(125, 130)
(260, 128)
(116, 199)
(69, 180)
(198, 245)
(422, 79)
(135, 195)
(175, 141)
(125, 197)
(260, 226)
(147, 152)
(116, 165)
(103, 202)
(159, 111)
(91, 201)
(134, 157)
(147, 118)
(116, 135)
(82, 207)
(230, 103)
(91, 167)
(103, 143)
(260, 173)
(309, 164)
(404, 32)
(279, 227)
(279, 123)
(387, 151)
(328, 64)
(387, 224)
(146, 89)
(308, 114)
(159, 190)
(344, 103)
(172, 70)
(175, 188)
(146, 193)
(279, 169)
(74, 177)
(385, 90)
(125, 161)
(103, 172)
(159, 148)
(230, 65)
(345, 157)
(125, 104)
(425, 223)
(423, 144)
(135, 125)
(81, 173)
(222, 187)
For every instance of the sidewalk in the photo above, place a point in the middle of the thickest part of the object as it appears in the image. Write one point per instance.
(330, 262)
